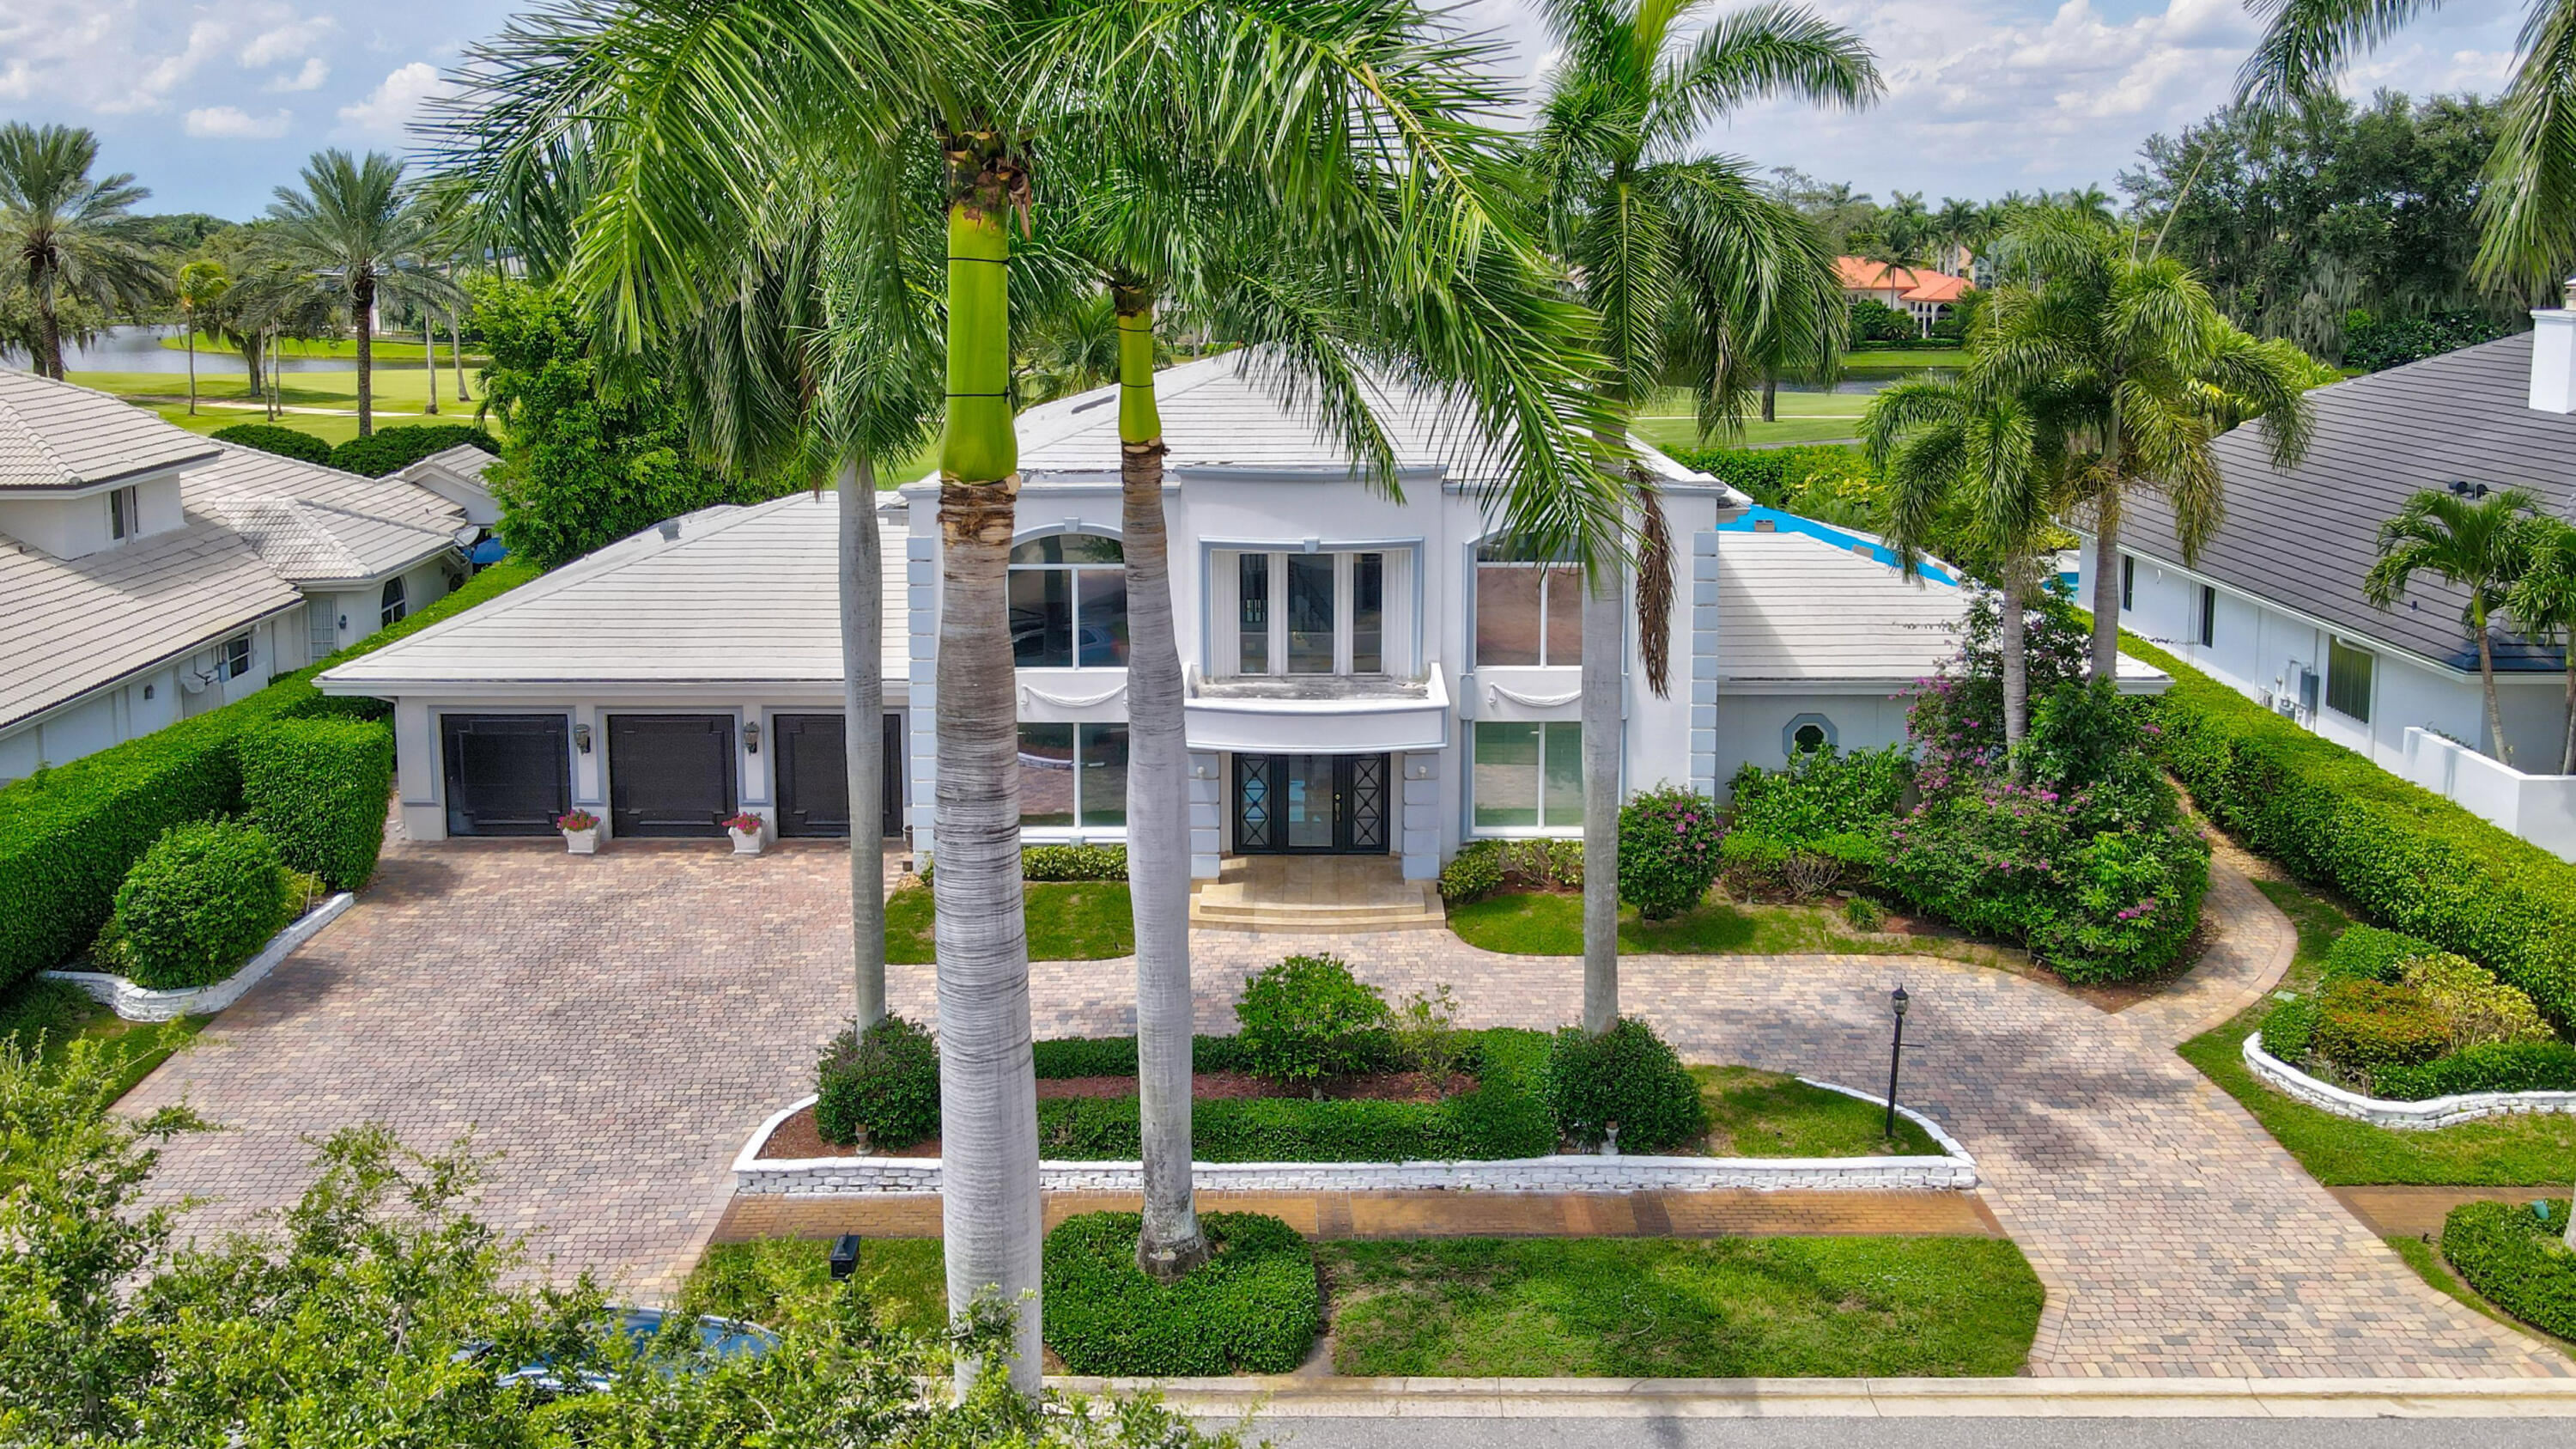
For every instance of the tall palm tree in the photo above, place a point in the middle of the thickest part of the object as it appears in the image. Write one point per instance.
(1686, 260)
(354, 229)
(2145, 372)
(2542, 606)
(201, 285)
(2474, 543)
(68, 235)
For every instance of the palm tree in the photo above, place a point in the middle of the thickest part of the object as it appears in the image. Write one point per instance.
(354, 229)
(202, 284)
(2475, 543)
(2145, 374)
(1685, 260)
(2542, 606)
(68, 236)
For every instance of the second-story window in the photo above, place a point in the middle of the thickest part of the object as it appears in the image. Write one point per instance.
(1069, 603)
(393, 606)
(1527, 613)
(1309, 613)
(124, 513)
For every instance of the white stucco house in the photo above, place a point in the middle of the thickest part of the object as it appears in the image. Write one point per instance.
(2273, 605)
(148, 574)
(1366, 675)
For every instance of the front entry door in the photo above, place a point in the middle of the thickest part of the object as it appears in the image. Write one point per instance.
(1310, 804)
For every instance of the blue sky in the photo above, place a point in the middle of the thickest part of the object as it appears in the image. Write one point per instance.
(212, 105)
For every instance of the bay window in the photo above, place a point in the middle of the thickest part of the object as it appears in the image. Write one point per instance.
(1305, 613)
(1069, 603)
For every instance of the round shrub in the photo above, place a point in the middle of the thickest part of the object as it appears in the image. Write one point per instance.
(2367, 952)
(317, 787)
(1627, 1075)
(2290, 1028)
(2478, 1009)
(2364, 1025)
(200, 902)
(1668, 839)
(1308, 1018)
(1253, 1307)
(883, 1081)
(1474, 873)
(2514, 1257)
(270, 438)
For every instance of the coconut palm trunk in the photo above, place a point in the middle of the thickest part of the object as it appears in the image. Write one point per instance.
(2016, 661)
(1603, 645)
(863, 729)
(362, 313)
(992, 1221)
(1158, 824)
(455, 356)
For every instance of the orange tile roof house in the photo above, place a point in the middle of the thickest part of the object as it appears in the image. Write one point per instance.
(1919, 292)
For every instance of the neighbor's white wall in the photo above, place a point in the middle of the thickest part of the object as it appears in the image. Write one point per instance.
(2538, 808)
(136, 705)
(1750, 726)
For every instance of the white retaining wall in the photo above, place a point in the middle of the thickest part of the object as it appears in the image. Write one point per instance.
(2411, 1116)
(2539, 808)
(830, 1176)
(137, 1003)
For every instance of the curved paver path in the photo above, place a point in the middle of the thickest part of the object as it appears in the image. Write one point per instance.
(615, 1026)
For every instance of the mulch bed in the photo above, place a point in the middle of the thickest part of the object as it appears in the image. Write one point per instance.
(798, 1137)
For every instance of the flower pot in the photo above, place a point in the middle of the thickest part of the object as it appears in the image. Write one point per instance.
(582, 842)
(745, 842)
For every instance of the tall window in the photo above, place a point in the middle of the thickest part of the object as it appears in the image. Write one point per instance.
(1069, 603)
(2208, 616)
(1310, 613)
(1526, 613)
(392, 606)
(235, 660)
(124, 513)
(2348, 673)
(1073, 775)
(1252, 595)
(2128, 582)
(1528, 775)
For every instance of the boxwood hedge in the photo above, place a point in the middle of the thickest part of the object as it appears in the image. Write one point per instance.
(2409, 858)
(1253, 1307)
(68, 835)
(318, 787)
(270, 438)
(2514, 1258)
(200, 902)
(387, 450)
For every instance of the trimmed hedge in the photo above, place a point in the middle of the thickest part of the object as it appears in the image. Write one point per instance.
(1115, 1056)
(318, 788)
(270, 438)
(885, 1080)
(2514, 1258)
(1626, 1075)
(2290, 1029)
(2512, 1066)
(68, 835)
(1253, 1307)
(2369, 1026)
(390, 449)
(200, 902)
(2369, 953)
(1073, 862)
(2406, 856)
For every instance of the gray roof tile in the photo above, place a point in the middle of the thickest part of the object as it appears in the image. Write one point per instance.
(56, 435)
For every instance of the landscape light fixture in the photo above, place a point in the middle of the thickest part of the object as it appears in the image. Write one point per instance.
(581, 738)
(845, 1256)
(1895, 1055)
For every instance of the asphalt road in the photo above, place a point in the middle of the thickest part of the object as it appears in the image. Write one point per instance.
(1917, 1433)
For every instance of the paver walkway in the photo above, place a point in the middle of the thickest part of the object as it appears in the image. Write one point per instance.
(617, 1025)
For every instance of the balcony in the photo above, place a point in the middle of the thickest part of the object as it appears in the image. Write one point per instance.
(1317, 714)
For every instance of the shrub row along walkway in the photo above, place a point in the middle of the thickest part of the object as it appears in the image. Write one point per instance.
(615, 1026)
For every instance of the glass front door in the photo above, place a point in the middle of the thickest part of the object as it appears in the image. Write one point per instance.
(1311, 804)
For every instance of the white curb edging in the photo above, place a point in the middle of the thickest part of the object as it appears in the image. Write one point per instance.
(1564, 1172)
(2380, 1112)
(137, 1003)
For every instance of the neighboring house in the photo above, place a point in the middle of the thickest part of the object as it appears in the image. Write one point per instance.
(2274, 605)
(458, 475)
(148, 574)
(1364, 675)
(1918, 292)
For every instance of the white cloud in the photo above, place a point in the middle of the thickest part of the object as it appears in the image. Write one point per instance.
(289, 41)
(391, 106)
(123, 57)
(316, 70)
(232, 123)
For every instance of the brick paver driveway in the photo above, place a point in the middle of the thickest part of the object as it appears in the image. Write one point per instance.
(615, 1026)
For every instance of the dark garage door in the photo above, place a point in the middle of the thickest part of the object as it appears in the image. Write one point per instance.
(814, 776)
(670, 774)
(507, 774)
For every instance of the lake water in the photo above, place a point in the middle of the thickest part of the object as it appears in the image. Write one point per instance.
(139, 349)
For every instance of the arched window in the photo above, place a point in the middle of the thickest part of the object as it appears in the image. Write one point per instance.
(393, 606)
(1069, 603)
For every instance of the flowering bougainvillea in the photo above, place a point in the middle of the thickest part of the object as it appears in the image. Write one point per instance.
(1668, 840)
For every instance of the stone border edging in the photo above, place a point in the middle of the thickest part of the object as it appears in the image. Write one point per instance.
(1609, 1398)
(1563, 1172)
(138, 1003)
(2430, 1113)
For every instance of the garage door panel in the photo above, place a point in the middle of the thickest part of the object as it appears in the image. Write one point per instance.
(814, 776)
(670, 774)
(505, 774)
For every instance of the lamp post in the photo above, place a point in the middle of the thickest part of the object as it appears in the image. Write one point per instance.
(1895, 1055)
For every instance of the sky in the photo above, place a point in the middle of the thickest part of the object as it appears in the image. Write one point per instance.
(213, 105)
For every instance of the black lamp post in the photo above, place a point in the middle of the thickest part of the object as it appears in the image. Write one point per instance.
(1895, 1054)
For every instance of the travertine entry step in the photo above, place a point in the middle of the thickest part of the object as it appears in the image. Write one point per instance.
(1315, 894)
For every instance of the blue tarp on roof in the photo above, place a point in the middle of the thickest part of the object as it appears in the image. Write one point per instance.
(1843, 538)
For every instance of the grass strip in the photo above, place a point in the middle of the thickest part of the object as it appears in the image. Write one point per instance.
(1082, 920)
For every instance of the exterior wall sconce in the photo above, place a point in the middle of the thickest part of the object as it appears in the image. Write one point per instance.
(581, 738)
(751, 736)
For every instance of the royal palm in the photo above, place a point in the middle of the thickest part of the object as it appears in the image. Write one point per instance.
(2475, 543)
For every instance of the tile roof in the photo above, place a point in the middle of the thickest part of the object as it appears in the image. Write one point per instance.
(2304, 538)
(464, 461)
(1922, 284)
(314, 543)
(73, 625)
(55, 435)
(743, 595)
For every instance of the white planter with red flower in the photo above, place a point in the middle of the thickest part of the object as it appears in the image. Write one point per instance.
(745, 830)
(580, 832)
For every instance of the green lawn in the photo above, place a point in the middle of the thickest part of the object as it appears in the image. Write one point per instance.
(398, 391)
(1068, 921)
(386, 349)
(1663, 1308)
(905, 1280)
(1755, 1113)
(2520, 1151)
(1547, 923)
(45, 1016)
